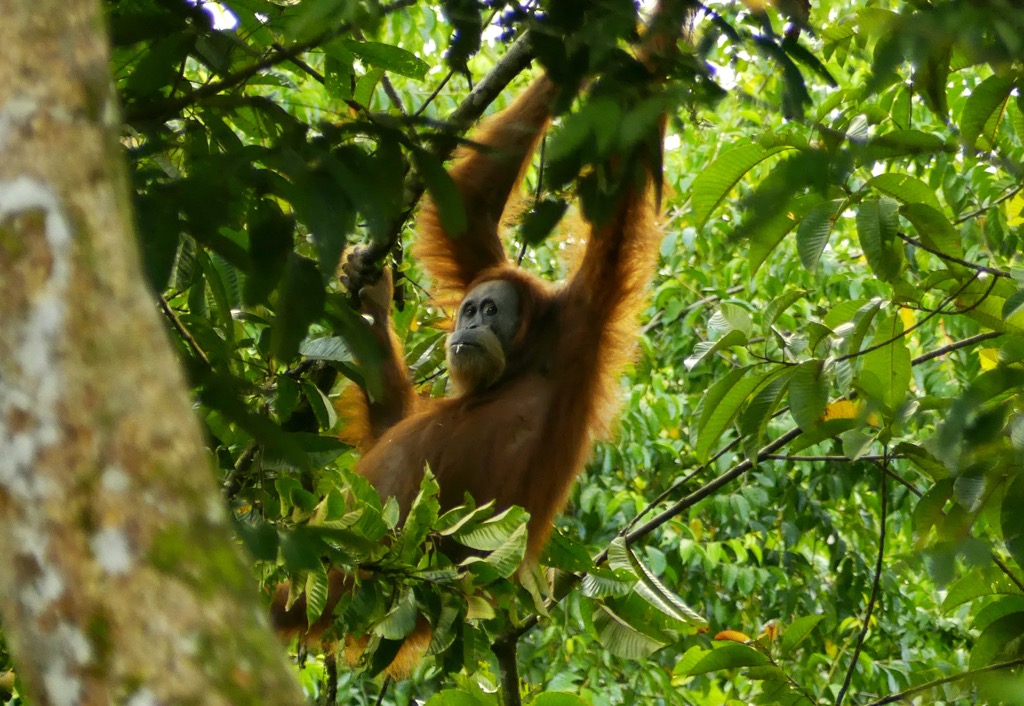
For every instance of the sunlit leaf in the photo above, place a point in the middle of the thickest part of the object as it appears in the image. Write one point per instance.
(720, 177)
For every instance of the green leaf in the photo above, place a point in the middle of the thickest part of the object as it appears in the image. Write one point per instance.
(877, 224)
(602, 583)
(932, 75)
(714, 183)
(808, 394)
(770, 231)
(316, 593)
(620, 638)
(999, 640)
(813, 232)
(442, 191)
(729, 655)
(621, 556)
(975, 584)
(330, 218)
(797, 631)
(492, 533)
(302, 301)
(778, 305)
(322, 407)
(457, 697)
(389, 58)
(1013, 304)
(885, 372)
(270, 240)
(705, 348)
(542, 219)
(556, 698)
(934, 227)
(902, 143)
(333, 348)
(365, 85)
(754, 420)
(729, 317)
(339, 78)
(984, 110)
(904, 188)
(720, 413)
(1012, 519)
(502, 562)
(401, 619)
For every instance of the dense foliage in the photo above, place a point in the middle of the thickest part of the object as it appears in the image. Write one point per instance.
(814, 494)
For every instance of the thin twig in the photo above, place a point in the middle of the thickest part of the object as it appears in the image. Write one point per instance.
(184, 332)
(952, 258)
(913, 691)
(931, 315)
(874, 584)
(955, 346)
(165, 110)
(981, 211)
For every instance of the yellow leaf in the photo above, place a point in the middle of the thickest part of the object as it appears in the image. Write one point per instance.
(697, 528)
(907, 317)
(842, 409)
(732, 635)
(848, 409)
(1015, 210)
(989, 358)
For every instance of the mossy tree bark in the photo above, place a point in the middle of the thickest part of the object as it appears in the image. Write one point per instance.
(119, 579)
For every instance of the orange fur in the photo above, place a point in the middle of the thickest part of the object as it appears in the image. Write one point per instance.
(523, 440)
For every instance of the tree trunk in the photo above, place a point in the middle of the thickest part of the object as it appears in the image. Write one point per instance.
(119, 578)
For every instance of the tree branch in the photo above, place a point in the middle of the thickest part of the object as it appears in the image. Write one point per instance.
(505, 652)
(955, 346)
(913, 691)
(164, 110)
(951, 258)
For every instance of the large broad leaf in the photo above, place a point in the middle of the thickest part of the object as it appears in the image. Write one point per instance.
(401, 619)
(705, 348)
(502, 562)
(984, 111)
(770, 231)
(442, 190)
(494, 532)
(797, 631)
(877, 225)
(714, 396)
(808, 393)
(988, 581)
(934, 228)
(316, 593)
(302, 301)
(904, 188)
(621, 556)
(814, 230)
(388, 57)
(754, 420)
(720, 416)
(729, 655)
(885, 371)
(714, 183)
(1000, 640)
(622, 639)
